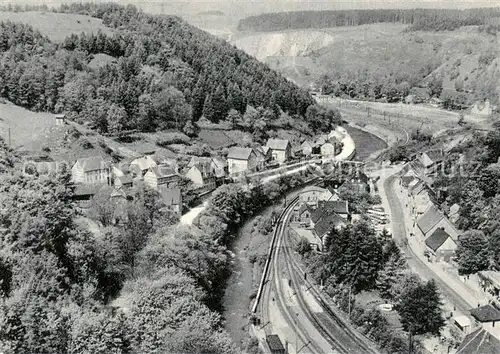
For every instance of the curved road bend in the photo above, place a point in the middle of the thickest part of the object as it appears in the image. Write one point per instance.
(399, 234)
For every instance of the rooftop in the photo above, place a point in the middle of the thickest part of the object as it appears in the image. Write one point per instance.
(430, 218)
(486, 313)
(274, 342)
(437, 239)
(239, 153)
(327, 222)
(93, 163)
(277, 144)
(144, 163)
(479, 342)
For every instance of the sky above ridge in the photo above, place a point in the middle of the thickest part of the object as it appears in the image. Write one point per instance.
(243, 8)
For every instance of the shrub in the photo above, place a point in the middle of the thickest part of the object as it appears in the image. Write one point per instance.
(84, 143)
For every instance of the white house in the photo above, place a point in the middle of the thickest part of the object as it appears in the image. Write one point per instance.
(240, 160)
(91, 170)
(281, 150)
(142, 165)
(313, 194)
(327, 152)
(307, 148)
(202, 175)
(161, 176)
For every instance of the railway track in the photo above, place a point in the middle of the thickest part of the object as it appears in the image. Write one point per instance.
(337, 335)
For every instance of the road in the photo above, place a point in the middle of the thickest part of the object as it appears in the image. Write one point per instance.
(306, 317)
(399, 233)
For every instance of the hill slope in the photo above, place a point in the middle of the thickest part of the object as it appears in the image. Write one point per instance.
(166, 74)
(57, 26)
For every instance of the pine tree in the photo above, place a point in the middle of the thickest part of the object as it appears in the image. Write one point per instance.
(420, 310)
(208, 108)
(219, 104)
(392, 273)
(198, 99)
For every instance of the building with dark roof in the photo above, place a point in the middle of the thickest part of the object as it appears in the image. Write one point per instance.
(240, 160)
(275, 345)
(162, 176)
(433, 219)
(280, 149)
(486, 314)
(479, 342)
(440, 245)
(340, 207)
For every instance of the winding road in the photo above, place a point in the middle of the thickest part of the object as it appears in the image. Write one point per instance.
(399, 233)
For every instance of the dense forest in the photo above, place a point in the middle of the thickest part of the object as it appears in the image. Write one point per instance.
(417, 19)
(167, 73)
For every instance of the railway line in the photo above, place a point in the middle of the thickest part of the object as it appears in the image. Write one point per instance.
(329, 333)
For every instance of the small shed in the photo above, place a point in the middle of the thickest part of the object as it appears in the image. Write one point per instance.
(60, 119)
(275, 344)
(463, 323)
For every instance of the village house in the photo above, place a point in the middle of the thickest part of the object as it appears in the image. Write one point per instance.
(324, 222)
(479, 342)
(327, 152)
(172, 197)
(91, 170)
(431, 161)
(313, 194)
(306, 148)
(440, 246)
(281, 150)
(161, 176)
(202, 175)
(302, 214)
(141, 166)
(240, 160)
(264, 157)
(434, 219)
(487, 316)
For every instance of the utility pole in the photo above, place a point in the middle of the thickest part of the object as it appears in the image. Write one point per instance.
(349, 301)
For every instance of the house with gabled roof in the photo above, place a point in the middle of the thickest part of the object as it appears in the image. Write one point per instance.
(488, 317)
(302, 214)
(161, 176)
(326, 223)
(311, 195)
(306, 148)
(280, 149)
(141, 165)
(339, 207)
(431, 161)
(434, 219)
(91, 170)
(441, 246)
(479, 342)
(202, 175)
(241, 159)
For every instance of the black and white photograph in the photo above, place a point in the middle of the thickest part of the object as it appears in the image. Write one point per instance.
(249, 177)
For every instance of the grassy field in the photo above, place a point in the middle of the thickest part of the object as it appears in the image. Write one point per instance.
(25, 126)
(56, 26)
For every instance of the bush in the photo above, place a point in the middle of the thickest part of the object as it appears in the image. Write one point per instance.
(84, 143)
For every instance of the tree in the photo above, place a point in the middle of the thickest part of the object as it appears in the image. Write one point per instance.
(303, 246)
(392, 273)
(219, 104)
(420, 310)
(208, 109)
(472, 252)
(117, 119)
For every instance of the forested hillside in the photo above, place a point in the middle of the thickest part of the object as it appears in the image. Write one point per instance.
(417, 19)
(166, 73)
